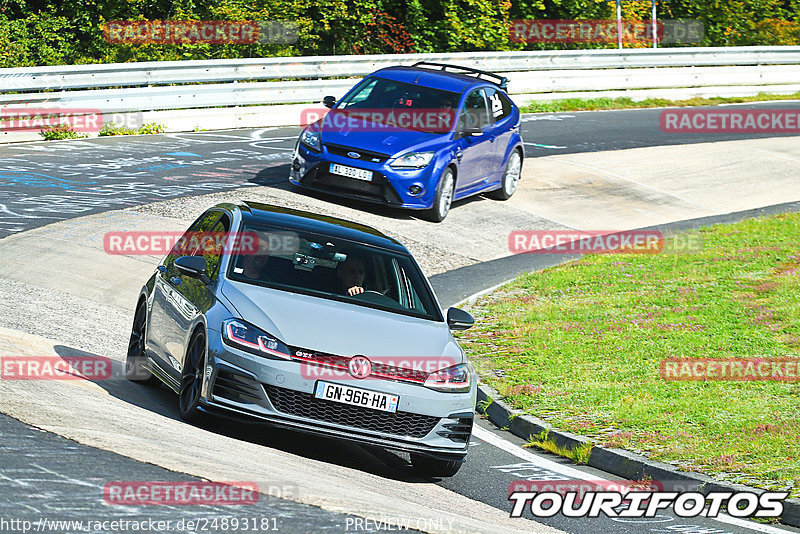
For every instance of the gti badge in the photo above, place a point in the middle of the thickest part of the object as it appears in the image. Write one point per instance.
(355, 155)
(359, 367)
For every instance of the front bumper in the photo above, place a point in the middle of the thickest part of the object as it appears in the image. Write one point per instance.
(389, 186)
(239, 384)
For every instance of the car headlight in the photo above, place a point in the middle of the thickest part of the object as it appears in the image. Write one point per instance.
(455, 379)
(311, 140)
(412, 160)
(249, 338)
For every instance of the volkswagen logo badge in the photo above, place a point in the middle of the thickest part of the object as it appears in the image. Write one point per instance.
(355, 155)
(359, 367)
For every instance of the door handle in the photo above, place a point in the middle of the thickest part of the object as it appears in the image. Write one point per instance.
(162, 269)
(175, 280)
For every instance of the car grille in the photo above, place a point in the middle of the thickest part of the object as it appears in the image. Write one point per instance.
(305, 405)
(366, 155)
(379, 189)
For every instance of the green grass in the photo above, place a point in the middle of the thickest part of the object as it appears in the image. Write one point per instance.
(589, 104)
(579, 455)
(579, 345)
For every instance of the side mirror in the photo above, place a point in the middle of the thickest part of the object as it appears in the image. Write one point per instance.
(458, 319)
(329, 101)
(193, 266)
(470, 131)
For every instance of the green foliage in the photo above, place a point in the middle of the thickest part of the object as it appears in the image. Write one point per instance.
(60, 131)
(54, 32)
(151, 128)
(111, 128)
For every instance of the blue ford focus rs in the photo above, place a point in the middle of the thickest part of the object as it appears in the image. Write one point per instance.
(415, 137)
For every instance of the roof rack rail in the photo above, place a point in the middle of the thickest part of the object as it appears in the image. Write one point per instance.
(500, 81)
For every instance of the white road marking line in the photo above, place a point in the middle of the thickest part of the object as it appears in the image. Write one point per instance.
(777, 154)
(545, 117)
(633, 182)
(543, 146)
(493, 439)
(204, 137)
(755, 527)
(283, 148)
(257, 134)
(274, 139)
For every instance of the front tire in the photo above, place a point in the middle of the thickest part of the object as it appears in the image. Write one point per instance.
(511, 176)
(192, 381)
(428, 467)
(135, 370)
(444, 197)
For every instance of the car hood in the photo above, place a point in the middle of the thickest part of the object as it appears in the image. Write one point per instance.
(340, 328)
(391, 142)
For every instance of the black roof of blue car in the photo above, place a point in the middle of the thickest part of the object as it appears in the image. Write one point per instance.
(316, 223)
(436, 79)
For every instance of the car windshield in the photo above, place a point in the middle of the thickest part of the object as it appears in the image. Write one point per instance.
(384, 99)
(334, 269)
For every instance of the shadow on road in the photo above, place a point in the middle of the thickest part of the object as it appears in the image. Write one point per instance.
(163, 401)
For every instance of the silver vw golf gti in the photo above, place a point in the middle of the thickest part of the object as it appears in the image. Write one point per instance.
(311, 323)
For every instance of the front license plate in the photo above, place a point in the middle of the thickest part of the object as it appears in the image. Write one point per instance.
(357, 397)
(351, 172)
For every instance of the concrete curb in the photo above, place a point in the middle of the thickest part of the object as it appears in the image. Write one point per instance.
(620, 462)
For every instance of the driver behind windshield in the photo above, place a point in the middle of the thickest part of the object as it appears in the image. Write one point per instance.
(350, 276)
(254, 265)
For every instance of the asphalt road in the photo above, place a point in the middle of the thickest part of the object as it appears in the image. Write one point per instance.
(56, 485)
(547, 134)
(45, 182)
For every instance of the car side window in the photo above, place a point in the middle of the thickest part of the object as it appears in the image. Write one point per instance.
(499, 105)
(213, 259)
(186, 246)
(475, 113)
(407, 296)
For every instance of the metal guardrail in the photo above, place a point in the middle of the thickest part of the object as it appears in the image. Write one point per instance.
(121, 87)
